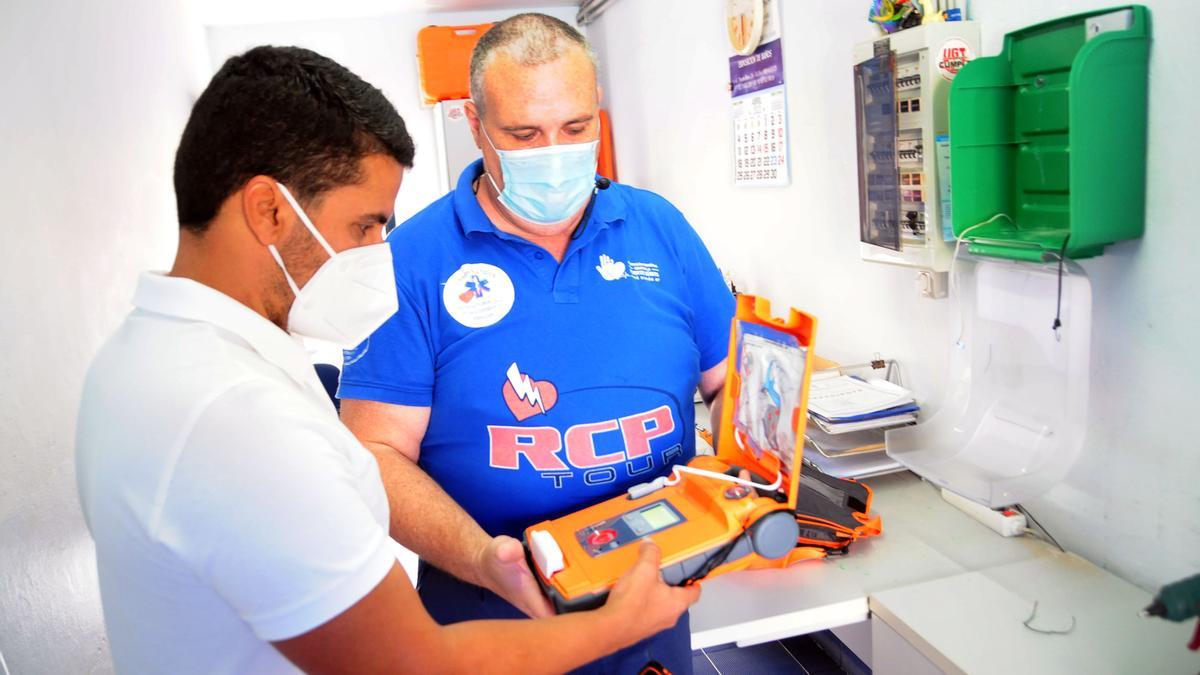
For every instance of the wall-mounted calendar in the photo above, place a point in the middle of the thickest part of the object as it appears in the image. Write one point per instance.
(760, 139)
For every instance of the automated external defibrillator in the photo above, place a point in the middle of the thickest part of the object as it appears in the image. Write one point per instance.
(704, 517)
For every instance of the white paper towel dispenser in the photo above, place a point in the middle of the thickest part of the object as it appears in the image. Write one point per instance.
(1015, 413)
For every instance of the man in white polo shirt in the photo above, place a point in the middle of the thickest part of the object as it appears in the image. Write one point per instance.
(239, 527)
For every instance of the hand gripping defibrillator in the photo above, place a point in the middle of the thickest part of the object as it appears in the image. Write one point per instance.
(704, 517)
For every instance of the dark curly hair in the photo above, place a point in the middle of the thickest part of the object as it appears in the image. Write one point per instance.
(283, 112)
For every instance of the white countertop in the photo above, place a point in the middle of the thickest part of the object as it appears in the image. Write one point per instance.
(973, 622)
(923, 539)
(957, 591)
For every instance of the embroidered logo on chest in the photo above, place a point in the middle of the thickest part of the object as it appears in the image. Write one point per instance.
(614, 270)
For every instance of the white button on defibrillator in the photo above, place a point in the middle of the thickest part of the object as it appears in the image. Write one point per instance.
(546, 553)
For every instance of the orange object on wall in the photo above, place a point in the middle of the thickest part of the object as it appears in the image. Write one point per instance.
(444, 63)
(444, 60)
(606, 163)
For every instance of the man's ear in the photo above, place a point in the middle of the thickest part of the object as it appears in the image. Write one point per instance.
(267, 213)
(474, 121)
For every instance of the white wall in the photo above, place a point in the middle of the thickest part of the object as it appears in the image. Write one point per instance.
(94, 99)
(382, 50)
(1131, 504)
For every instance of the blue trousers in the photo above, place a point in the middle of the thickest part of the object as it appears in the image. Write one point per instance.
(450, 600)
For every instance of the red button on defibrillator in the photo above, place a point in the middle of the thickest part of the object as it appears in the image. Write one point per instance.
(601, 537)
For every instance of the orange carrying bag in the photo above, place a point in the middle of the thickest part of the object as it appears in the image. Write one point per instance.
(832, 514)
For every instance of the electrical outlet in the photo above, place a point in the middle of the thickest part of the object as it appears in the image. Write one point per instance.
(1005, 522)
(932, 284)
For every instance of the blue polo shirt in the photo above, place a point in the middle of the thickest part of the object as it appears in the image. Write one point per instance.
(552, 386)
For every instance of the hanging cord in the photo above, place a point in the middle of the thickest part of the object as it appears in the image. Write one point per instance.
(587, 214)
(962, 320)
(1062, 256)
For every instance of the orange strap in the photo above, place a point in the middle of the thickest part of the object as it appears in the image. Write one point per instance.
(794, 556)
(871, 527)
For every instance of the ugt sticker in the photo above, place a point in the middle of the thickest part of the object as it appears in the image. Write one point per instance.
(953, 55)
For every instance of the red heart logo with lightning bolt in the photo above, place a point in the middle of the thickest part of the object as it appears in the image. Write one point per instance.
(526, 396)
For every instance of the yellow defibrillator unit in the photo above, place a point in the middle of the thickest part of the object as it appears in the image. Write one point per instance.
(704, 517)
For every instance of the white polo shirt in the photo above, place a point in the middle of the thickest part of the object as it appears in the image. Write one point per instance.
(229, 505)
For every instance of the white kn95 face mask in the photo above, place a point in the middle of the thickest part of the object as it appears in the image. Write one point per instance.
(348, 297)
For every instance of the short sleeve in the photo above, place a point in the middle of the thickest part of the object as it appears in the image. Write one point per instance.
(711, 300)
(268, 510)
(394, 365)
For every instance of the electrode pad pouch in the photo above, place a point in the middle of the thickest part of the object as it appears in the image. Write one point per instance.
(771, 363)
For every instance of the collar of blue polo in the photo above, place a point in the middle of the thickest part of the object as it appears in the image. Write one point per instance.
(610, 205)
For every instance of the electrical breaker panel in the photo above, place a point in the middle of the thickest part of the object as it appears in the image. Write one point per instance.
(901, 86)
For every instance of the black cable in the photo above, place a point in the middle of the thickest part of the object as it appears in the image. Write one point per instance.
(1062, 255)
(582, 224)
(714, 562)
(602, 183)
(1046, 532)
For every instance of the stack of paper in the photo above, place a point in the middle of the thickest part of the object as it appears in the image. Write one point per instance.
(855, 454)
(842, 403)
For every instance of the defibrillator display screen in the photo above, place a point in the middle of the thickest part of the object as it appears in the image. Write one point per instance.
(658, 516)
(613, 533)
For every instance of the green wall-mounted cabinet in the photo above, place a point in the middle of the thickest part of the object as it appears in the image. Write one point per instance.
(1048, 139)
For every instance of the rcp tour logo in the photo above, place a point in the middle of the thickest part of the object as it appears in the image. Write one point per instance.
(594, 452)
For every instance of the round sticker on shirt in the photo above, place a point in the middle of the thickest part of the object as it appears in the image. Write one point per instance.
(478, 295)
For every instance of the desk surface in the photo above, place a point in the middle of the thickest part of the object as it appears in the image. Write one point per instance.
(924, 539)
(973, 622)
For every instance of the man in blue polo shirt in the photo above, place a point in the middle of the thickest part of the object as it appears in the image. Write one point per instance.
(552, 330)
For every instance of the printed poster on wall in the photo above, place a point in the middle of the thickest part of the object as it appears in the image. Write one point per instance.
(760, 138)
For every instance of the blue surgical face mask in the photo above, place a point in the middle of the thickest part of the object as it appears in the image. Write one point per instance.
(546, 185)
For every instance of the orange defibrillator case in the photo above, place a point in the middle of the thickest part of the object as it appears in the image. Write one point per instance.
(444, 60)
(704, 518)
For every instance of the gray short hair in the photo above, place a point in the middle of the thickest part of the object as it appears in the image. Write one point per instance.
(531, 39)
